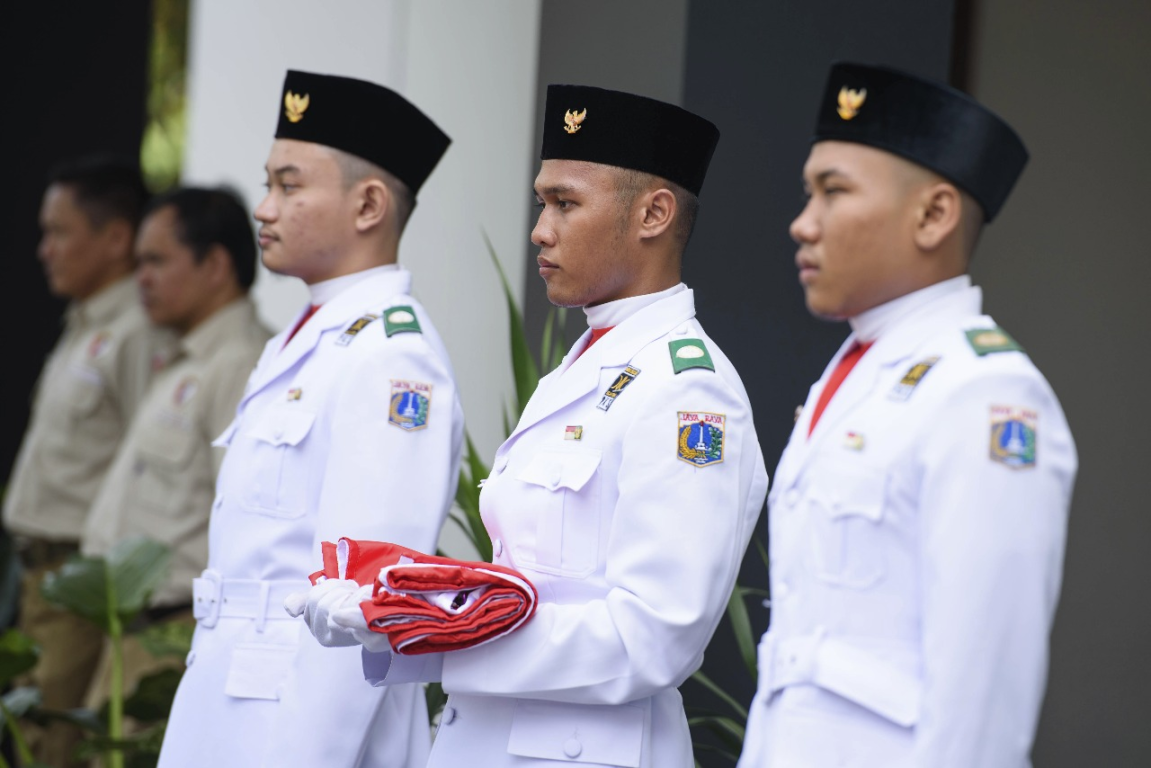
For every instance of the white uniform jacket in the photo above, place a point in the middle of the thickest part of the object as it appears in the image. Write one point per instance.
(342, 432)
(916, 547)
(634, 551)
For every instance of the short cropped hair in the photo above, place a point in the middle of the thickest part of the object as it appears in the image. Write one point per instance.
(631, 184)
(106, 187)
(354, 168)
(210, 217)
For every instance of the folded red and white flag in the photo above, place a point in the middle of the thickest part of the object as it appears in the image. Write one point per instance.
(429, 604)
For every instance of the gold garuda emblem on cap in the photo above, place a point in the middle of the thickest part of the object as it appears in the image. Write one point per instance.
(850, 101)
(295, 106)
(573, 121)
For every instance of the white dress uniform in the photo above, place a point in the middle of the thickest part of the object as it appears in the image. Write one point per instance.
(627, 494)
(916, 543)
(354, 428)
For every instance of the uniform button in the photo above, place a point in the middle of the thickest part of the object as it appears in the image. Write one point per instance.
(280, 433)
(218, 503)
(782, 590)
(498, 547)
(449, 715)
(572, 748)
(791, 497)
(189, 658)
(501, 463)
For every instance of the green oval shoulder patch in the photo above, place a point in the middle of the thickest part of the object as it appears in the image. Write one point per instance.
(400, 320)
(986, 341)
(689, 353)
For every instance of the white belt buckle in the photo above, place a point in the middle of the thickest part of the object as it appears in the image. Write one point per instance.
(206, 594)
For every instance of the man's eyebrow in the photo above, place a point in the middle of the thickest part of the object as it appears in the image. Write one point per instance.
(823, 176)
(282, 170)
(555, 189)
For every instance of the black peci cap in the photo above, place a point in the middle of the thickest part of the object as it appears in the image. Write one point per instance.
(362, 119)
(929, 123)
(628, 131)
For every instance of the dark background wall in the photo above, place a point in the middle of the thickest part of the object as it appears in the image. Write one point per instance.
(82, 90)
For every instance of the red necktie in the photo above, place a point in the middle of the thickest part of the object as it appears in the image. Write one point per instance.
(596, 335)
(307, 316)
(846, 363)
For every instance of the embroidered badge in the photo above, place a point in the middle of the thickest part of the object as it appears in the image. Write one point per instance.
(988, 340)
(185, 390)
(99, 344)
(573, 433)
(401, 320)
(1013, 433)
(627, 376)
(902, 391)
(689, 353)
(410, 403)
(350, 332)
(295, 393)
(573, 120)
(853, 441)
(850, 101)
(295, 106)
(701, 438)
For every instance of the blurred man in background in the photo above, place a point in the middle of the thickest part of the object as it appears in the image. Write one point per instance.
(196, 260)
(91, 386)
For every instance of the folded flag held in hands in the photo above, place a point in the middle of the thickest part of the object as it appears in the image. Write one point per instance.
(429, 604)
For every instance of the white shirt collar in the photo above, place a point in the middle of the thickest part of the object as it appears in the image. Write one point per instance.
(325, 291)
(613, 313)
(870, 325)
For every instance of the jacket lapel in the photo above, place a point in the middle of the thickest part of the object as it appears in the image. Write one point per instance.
(370, 293)
(575, 378)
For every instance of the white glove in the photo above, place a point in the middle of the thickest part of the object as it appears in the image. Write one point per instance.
(350, 618)
(318, 604)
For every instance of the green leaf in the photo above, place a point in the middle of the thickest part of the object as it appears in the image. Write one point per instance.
(167, 638)
(709, 684)
(20, 701)
(525, 372)
(18, 654)
(436, 699)
(741, 628)
(728, 730)
(152, 700)
(97, 589)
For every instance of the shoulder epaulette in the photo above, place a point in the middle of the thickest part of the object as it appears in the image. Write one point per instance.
(400, 320)
(689, 353)
(986, 341)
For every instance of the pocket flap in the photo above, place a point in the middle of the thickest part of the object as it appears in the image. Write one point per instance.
(845, 489)
(578, 733)
(870, 682)
(282, 426)
(258, 671)
(225, 438)
(171, 446)
(561, 469)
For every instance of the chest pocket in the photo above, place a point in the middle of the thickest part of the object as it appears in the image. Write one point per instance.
(276, 480)
(563, 496)
(845, 521)
(163, 466)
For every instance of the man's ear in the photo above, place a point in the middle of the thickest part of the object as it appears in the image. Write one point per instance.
(218, 266)
(940, 214)
(659, 211)
(373, 202)
(119, 235)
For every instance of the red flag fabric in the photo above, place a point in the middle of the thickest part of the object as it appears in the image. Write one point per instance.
(429, 604)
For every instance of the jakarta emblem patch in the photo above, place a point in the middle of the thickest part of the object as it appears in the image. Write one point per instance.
(701, 438)
(1013, 436)
(410, 403)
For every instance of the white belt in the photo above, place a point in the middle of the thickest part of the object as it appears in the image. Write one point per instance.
(214, 597)
(837, 666)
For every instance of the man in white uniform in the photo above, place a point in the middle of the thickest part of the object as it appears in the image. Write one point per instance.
(628, 491)
(918, 516)
(350, 425)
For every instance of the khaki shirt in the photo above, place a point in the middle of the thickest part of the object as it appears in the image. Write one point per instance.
(88, 392)
(163, 479)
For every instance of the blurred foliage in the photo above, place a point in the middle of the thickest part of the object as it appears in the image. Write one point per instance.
(162, 151)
